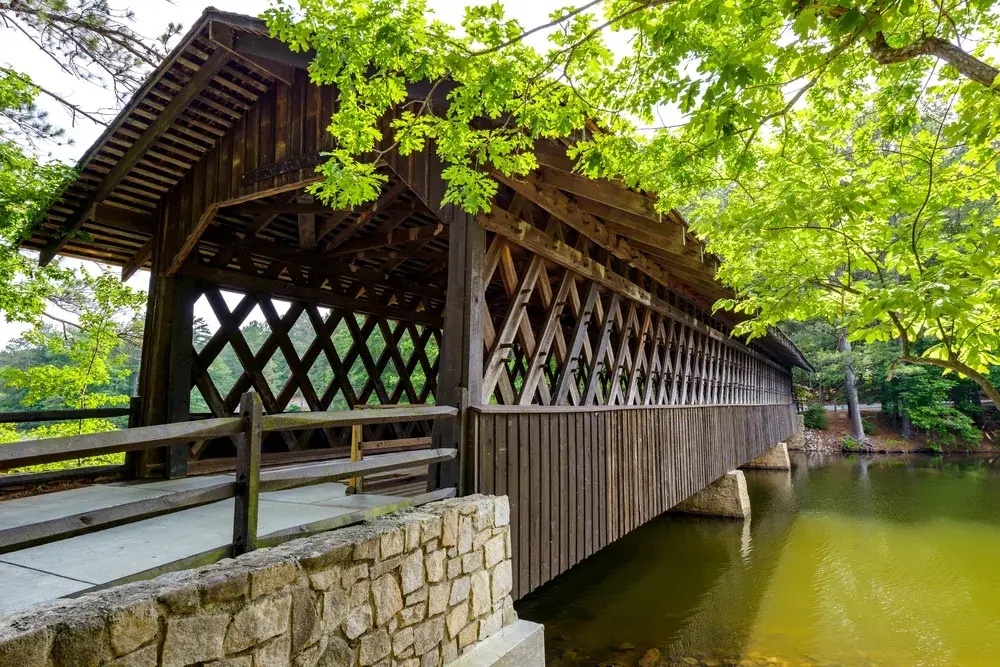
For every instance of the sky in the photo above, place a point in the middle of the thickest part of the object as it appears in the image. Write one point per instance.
(151, 17)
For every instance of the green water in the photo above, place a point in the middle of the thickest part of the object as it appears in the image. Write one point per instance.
(893, 560)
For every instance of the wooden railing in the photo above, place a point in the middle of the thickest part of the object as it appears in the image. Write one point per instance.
(247, 429)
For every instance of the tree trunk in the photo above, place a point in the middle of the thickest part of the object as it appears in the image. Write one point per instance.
(850, 388)
(907, 430)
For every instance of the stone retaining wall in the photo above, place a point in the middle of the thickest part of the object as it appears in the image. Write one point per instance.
(415, 588)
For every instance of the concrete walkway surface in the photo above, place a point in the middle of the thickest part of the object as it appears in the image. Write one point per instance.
(149, 547)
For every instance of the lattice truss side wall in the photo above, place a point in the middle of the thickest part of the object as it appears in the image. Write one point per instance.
(555, 337)
(310, 357)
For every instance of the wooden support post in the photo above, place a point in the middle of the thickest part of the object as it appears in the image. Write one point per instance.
(179, 387)
(460, 375)
(247, 474)
(357, 437)
(165, 377)
(132, 459)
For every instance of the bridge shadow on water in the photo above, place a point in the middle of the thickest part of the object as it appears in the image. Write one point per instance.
(687, 586)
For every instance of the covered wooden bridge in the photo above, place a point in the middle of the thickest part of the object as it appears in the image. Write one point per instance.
(571, 326)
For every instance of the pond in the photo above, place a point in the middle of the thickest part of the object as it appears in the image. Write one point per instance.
(890, 560)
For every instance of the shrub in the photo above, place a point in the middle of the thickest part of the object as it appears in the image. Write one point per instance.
(868, 425)
(815, 417)
(849, 444)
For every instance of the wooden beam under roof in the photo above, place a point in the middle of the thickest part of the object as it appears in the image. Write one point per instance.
(561, 207)
(175, 108)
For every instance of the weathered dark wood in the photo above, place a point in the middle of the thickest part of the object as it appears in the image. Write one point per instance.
(248, 475)
(208, 70)
(580, 478)
(32, 452)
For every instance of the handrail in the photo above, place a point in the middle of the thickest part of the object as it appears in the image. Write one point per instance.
(25, 416)
(30, 452)
(250, 482)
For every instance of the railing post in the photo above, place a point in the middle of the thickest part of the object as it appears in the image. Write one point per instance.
(133, 460)
(357, 435)
(247, 474)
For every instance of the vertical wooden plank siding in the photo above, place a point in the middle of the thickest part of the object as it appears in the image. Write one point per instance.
(580, 478)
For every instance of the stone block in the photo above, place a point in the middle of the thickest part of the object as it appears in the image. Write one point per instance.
(494, 551)
(358, 622)
(509, 615)
(428, 635)
(454, 567)
(449, 528)
(352, 574)
(360, 593)
(223, 586)
(434, 564)
(481, 600)
(374, 646)
(501, 581)
(24, 648)
(479, 539)
(412, 535)
(272, 578)
(472, 561)
(390, 565)
(324, 580)
(326, 556)
(307, 625)
(335, 610)
(144, 657)
(180, 599)
(458, 617)
(460, 590)
(501, 511)
(392, 543)
(401, 641)
(416, 597)
(411, 572)
(464, 534)
(387, 598)
(338, 652)
(81, 642)
(437, 598)
(490, 625)
(275, 653)
(430, 659)
(449, 651)
(366, 549)
(257, 622)
(414, 614)
(468, 635)
(194, 639)
(430, 529)
(133, 626)
(309, 657)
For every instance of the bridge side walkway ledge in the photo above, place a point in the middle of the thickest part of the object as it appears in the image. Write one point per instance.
(419, 588)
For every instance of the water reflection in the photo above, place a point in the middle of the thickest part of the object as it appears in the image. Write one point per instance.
(891, 560)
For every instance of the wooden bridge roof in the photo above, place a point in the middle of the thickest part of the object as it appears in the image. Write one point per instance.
(214, 78)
